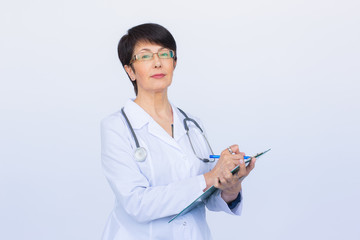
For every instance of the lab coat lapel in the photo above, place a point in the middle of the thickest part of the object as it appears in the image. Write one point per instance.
(136, 115)
(138, 118)
(156, 130)
(179, 130)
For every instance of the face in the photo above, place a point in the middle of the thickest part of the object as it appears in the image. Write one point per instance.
(152, 76)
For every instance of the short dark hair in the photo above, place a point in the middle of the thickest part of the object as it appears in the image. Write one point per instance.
(148, 32)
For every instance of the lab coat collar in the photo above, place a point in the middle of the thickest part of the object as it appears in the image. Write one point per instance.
(179, 129)
(138, 118)
(136, 115)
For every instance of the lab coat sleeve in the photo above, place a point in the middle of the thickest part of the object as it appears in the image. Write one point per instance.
(131, 188)
(215, 201)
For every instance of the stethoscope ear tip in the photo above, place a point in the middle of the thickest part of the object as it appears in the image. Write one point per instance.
(140, 154)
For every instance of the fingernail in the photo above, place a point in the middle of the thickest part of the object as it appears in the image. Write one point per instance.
(241, 161)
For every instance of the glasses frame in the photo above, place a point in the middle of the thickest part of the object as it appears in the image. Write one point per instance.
(136, 56)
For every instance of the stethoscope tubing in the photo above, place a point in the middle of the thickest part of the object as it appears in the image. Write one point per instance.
(131, 128)
(140, 153)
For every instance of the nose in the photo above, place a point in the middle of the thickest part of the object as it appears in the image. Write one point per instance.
(157, 61)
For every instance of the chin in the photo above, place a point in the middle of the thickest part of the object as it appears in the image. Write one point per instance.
(162, 87)
(156, 86)
(161, 90)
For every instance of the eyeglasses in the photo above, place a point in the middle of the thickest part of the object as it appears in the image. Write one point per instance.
(147, 56)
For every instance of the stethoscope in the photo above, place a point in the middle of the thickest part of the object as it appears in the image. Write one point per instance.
(140, 153)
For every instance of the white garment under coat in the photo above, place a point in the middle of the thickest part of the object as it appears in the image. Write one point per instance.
(148, 194)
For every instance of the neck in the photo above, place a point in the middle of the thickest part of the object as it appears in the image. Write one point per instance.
(156, 105)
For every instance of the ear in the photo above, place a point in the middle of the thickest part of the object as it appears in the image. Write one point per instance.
(174, 63)
(130, 72)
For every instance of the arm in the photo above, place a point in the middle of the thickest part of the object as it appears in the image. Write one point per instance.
(223, 198)
(131, 188)
(222, 178)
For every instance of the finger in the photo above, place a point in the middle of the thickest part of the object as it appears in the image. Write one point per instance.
(242, 170)
(228, 176)
(226, 155)
(223, 181)
(235, 148)
(242, 178)
(229, 166)
(251, 165)
(225, 152)
(234, 179)
(236, 156)
(217, 183)
(231, 161)
(228, 151)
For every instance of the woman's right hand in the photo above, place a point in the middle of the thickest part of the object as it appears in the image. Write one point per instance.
(222, 178)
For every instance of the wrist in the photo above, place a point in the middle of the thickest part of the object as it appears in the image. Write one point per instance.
(228, 196)
(235, 202)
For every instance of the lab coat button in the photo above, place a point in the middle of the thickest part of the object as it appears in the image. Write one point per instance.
(184, 223)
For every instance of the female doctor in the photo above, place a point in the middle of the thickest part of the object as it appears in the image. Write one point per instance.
(155, 162)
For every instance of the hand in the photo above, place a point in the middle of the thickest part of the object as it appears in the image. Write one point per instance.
(222, 178)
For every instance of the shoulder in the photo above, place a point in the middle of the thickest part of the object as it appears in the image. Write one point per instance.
(113, 122)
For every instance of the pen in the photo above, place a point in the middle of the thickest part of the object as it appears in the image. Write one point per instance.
(218, 156)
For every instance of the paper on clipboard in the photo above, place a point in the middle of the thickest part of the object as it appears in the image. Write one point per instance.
(212, 189)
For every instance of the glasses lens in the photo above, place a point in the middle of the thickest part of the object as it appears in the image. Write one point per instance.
(144, 56)
(166, 53)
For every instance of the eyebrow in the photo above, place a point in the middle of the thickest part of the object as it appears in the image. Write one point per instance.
(147, 49)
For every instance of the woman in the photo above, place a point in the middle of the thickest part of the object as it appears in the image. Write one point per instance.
(153, 185)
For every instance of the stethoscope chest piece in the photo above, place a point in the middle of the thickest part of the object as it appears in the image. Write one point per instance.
(140, 154)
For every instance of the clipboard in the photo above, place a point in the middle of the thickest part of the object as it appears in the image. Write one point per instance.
(212, 189)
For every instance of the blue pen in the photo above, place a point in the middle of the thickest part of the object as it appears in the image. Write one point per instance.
(245, 157)
(218, 156)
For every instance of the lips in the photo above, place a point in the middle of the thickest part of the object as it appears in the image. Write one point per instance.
(159, 75)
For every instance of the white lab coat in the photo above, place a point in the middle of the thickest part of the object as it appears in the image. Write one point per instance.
(148, 194)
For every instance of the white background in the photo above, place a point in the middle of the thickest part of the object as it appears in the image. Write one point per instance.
(280, 74)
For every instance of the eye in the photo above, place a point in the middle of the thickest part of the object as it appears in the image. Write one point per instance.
(166, 54)
(145, 56)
